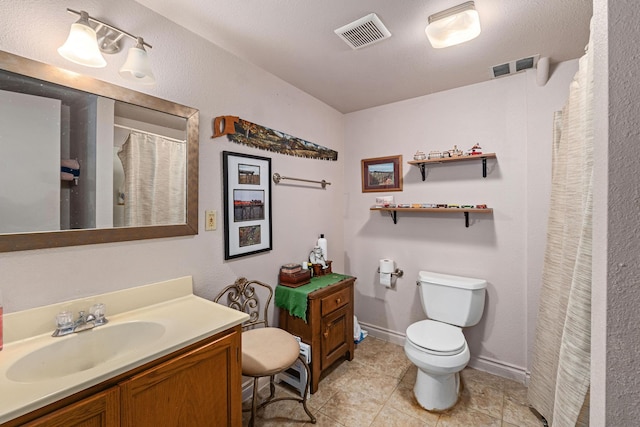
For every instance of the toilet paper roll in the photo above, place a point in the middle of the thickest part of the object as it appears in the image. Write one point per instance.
(385, 279)
(387, 266)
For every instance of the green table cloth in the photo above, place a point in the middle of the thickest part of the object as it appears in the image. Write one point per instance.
(294, 300)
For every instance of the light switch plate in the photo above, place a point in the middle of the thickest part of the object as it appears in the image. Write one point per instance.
(210, 220)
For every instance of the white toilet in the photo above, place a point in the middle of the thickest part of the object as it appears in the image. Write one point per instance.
(437, 346)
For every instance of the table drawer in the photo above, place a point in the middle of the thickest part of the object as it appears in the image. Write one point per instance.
(334, 301)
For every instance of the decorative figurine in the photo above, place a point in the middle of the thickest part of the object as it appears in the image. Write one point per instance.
(319, 265)
(316, 257)
(419, 155)
(475, 150)
(455, 152)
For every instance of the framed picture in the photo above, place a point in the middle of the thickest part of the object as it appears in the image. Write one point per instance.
(247, 204)
(382, 174)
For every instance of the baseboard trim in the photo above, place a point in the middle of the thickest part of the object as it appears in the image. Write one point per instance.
(482, 363)
(499, 368)
(383, 334)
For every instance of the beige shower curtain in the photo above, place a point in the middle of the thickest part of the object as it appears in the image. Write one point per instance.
(559, 385)
(154, 180)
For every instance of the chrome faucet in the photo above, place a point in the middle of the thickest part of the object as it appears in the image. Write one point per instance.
(65, 324)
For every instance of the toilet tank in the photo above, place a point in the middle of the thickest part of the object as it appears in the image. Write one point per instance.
(452, 299)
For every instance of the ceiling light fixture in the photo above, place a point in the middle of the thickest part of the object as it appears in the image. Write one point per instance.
(453, 26)
(86, 44)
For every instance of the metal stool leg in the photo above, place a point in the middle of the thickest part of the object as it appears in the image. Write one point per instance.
(254, 401)
(306, 389)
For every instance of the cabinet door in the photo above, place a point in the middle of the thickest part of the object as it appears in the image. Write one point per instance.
(335, 336)
(199, 388)
(99, 410)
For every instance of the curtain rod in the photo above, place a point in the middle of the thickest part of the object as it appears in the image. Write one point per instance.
(148, 133)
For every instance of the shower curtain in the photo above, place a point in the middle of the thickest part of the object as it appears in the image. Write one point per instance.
(559, 384)
(154, 180)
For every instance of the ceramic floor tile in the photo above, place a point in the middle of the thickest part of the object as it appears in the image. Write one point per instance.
(462, 416)
(404, 401)
(323, 421)
(390, 417)
(519, 414)
(283, 413)
(386, 357)
(410, 375)
(516, 392)
(369, 346)
(482, 398)
(471, 376)
(369, 381)
(353, 409)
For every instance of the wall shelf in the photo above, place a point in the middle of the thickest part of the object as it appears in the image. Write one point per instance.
(394, 211)
(422, 164)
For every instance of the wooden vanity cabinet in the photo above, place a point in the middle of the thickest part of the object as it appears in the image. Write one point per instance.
(196, 386)
(99, 410)
(329, 326)
(199, 388)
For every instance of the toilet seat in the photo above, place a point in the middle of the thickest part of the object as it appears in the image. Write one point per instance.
(436, 337)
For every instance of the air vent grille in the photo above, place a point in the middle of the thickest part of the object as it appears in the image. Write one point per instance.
(363, 32)
(515, 66)
(524, 63)
(501, 70)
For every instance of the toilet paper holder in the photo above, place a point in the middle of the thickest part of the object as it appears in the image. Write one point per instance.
(397, 273)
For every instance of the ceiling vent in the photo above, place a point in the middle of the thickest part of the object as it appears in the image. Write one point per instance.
(515, 66)
(363, 32)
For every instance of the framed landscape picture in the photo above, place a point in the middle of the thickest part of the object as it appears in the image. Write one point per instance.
(382, 174)
(247, 204)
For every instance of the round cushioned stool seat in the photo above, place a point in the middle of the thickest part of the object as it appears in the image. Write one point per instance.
(268, 351)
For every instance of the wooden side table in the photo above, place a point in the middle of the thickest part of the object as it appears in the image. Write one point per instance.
(329, 326)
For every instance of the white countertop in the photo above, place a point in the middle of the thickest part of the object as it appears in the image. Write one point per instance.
(185, 317)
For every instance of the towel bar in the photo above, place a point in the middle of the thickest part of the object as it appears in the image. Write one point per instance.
(277, 178)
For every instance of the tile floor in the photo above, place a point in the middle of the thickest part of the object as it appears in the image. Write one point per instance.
(376, 390)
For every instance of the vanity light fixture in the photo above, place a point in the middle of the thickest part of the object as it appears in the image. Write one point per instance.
(453, 26)
(86, 44)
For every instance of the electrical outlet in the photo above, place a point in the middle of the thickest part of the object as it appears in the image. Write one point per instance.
(210, 220)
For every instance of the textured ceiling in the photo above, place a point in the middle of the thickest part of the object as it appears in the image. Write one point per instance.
(295, 41)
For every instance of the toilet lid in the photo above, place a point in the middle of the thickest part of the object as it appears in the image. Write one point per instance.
(436, 337)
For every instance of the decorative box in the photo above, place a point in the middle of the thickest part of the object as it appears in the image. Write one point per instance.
(293, 280)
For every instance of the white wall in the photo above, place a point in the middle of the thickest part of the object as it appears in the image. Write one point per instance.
(511, 117)
(192, 72)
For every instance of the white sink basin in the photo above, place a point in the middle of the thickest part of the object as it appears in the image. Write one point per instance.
(84, 350)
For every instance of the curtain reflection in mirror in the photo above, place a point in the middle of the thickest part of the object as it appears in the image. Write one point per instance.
(154, 188)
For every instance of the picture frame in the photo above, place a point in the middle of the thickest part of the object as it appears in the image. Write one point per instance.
(247, 204)
(382, 174)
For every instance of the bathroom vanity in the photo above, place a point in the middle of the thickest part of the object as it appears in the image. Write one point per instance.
(187, 373)
(328, 327)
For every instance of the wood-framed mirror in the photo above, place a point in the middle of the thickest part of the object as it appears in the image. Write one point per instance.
(88, 162)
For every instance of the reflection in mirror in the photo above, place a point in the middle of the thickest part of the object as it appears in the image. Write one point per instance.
(103, 162)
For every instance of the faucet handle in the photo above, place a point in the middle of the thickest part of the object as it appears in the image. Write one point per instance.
(98, 311)
(64, 319)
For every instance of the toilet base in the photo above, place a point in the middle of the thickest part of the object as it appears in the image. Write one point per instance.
(437, 392)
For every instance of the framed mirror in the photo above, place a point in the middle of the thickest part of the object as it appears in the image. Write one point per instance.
(87, 161)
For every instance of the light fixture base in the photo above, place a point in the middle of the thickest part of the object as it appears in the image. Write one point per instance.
(109, 40)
